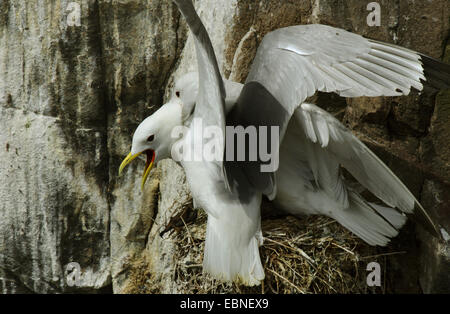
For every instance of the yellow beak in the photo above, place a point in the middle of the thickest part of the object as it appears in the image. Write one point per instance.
(148, 165)
(127, 160)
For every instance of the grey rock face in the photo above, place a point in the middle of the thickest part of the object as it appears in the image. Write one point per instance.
(54, 174)
(72, 94)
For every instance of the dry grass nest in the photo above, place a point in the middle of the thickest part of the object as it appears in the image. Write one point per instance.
(300, 255)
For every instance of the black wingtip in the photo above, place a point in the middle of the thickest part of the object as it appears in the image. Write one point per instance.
(421, 217)
(437, 73)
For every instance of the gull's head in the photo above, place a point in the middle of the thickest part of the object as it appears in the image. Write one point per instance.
(186, 89)
(153, 137)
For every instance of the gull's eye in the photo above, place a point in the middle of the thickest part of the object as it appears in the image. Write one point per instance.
(177, 93)
(150, 138)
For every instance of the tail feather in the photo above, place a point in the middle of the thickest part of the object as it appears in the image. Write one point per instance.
(232, 255)
(374, 224)
(396, 219)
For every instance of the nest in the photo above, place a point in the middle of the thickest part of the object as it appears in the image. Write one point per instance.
(300, 255)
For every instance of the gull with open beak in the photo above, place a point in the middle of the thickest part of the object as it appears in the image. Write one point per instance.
(153, 136)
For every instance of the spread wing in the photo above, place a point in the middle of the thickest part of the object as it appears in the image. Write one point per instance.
(210, 102)
(293, 63)
(336, 145)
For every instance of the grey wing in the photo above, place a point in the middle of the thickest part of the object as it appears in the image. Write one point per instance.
(335, 141)
(293, 63)
(309, 181)
(210, 103)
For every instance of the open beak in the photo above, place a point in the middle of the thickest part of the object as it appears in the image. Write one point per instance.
(148, 165)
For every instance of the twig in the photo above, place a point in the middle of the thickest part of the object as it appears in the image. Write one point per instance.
(286, 280)
(302, 253)
(384, 254)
